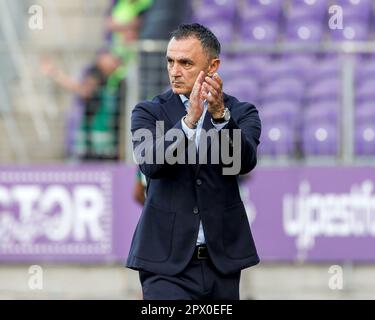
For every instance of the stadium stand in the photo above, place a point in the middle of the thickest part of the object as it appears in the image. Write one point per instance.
(303, 89)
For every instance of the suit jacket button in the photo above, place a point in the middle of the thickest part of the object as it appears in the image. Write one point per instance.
(199, 182)
(195, 210)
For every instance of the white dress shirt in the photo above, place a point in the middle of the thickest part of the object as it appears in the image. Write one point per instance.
(195, 134)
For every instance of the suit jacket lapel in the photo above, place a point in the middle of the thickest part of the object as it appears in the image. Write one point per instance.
(173, 108)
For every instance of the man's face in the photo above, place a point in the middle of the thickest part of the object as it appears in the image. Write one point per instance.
(108, 63)
(185, 59)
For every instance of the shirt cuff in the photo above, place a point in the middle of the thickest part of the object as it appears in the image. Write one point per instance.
(190, 133)
(219, 126)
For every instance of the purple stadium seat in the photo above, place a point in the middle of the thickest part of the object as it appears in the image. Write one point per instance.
(316, 5)
(320, 139)
(304, 62)
(244, 89)
(291, 89)
(276, 139)
(258, 31)
(305, 23)
(325, 111)
(364, 4)
(365, 112)
(239, 67)
(325, 69)
(304, 31)
(214, 3)
(325, 90)
(365, 71)
(258, 24)
(217, 15)
(365, 91)
(301, 10)
(282, 69)
(282, 111)
(358, 8)
(365, 139)
(252, 9)
(356, 21)
(354, 30)
(219, 9)
(223, 29)
(231, 68)
(259, 61)
(269, 4)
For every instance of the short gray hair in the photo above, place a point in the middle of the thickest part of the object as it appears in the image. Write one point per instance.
(206, 37)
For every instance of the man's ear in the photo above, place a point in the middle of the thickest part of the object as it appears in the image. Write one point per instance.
(213, 67)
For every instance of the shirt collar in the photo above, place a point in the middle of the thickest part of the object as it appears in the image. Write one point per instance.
(183, 98)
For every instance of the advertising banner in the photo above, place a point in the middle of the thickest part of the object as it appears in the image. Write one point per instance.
(63, 213)
(87, 213)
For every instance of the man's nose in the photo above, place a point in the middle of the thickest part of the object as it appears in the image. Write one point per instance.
(176, 70)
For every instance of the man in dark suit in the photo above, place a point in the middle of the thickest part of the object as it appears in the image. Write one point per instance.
(193, 238)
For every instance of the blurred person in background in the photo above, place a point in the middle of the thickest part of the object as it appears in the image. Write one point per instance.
(140, 186)
(100, 95)
(193, 237)
(123, 25)
(157, 22)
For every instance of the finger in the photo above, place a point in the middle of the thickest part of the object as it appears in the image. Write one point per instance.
(217, 78)
(200, 79)
(204, 91)
(209, 98)
(213, 83)
(197, 85)
(211, 89)
(205, 87)
(195, 93)
(196, 90)
(216, 82)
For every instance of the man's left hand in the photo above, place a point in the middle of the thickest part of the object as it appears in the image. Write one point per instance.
(215, 99)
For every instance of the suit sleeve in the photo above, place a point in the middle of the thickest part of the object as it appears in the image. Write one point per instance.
(150, 140)
(250, 129)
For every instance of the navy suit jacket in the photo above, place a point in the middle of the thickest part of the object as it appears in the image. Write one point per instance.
(180, 195)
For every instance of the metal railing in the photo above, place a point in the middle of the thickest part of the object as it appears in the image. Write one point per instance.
(345, 51)
(19, 76)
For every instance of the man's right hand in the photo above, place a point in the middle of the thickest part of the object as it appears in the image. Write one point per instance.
(196, 99)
